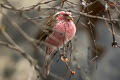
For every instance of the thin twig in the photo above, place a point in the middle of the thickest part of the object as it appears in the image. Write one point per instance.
(73, 11)
(18, 28)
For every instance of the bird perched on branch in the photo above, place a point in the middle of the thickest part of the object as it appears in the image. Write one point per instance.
(61, 30)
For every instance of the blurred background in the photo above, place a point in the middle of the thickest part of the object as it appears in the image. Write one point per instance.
(95, 53)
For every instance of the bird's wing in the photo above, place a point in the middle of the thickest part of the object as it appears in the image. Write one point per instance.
(50, 22)
(43, 34)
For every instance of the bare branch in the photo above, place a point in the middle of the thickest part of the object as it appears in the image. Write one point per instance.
(73, 11)
(18, 28)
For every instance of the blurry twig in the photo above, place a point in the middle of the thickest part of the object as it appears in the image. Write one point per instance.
(17, 49)
(18, 28)
(7, 5)
(54, 8)
(24, 55)
(114, 42)
(115, 34)
(14, 45)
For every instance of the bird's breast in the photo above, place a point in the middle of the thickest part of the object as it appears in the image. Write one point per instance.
(64, 31)
(69, 30)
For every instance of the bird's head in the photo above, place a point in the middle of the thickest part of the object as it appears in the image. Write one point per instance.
(62, 15)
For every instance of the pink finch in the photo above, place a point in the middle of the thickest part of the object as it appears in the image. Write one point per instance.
(64, 31)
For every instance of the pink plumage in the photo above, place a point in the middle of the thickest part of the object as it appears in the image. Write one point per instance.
(64, 31)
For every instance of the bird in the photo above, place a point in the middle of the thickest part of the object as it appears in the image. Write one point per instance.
(62, 30)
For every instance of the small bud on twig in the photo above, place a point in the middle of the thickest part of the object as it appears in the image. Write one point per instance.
(64, 59)
(73, 72)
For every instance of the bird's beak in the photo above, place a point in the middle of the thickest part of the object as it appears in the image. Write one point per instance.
(69, 18)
